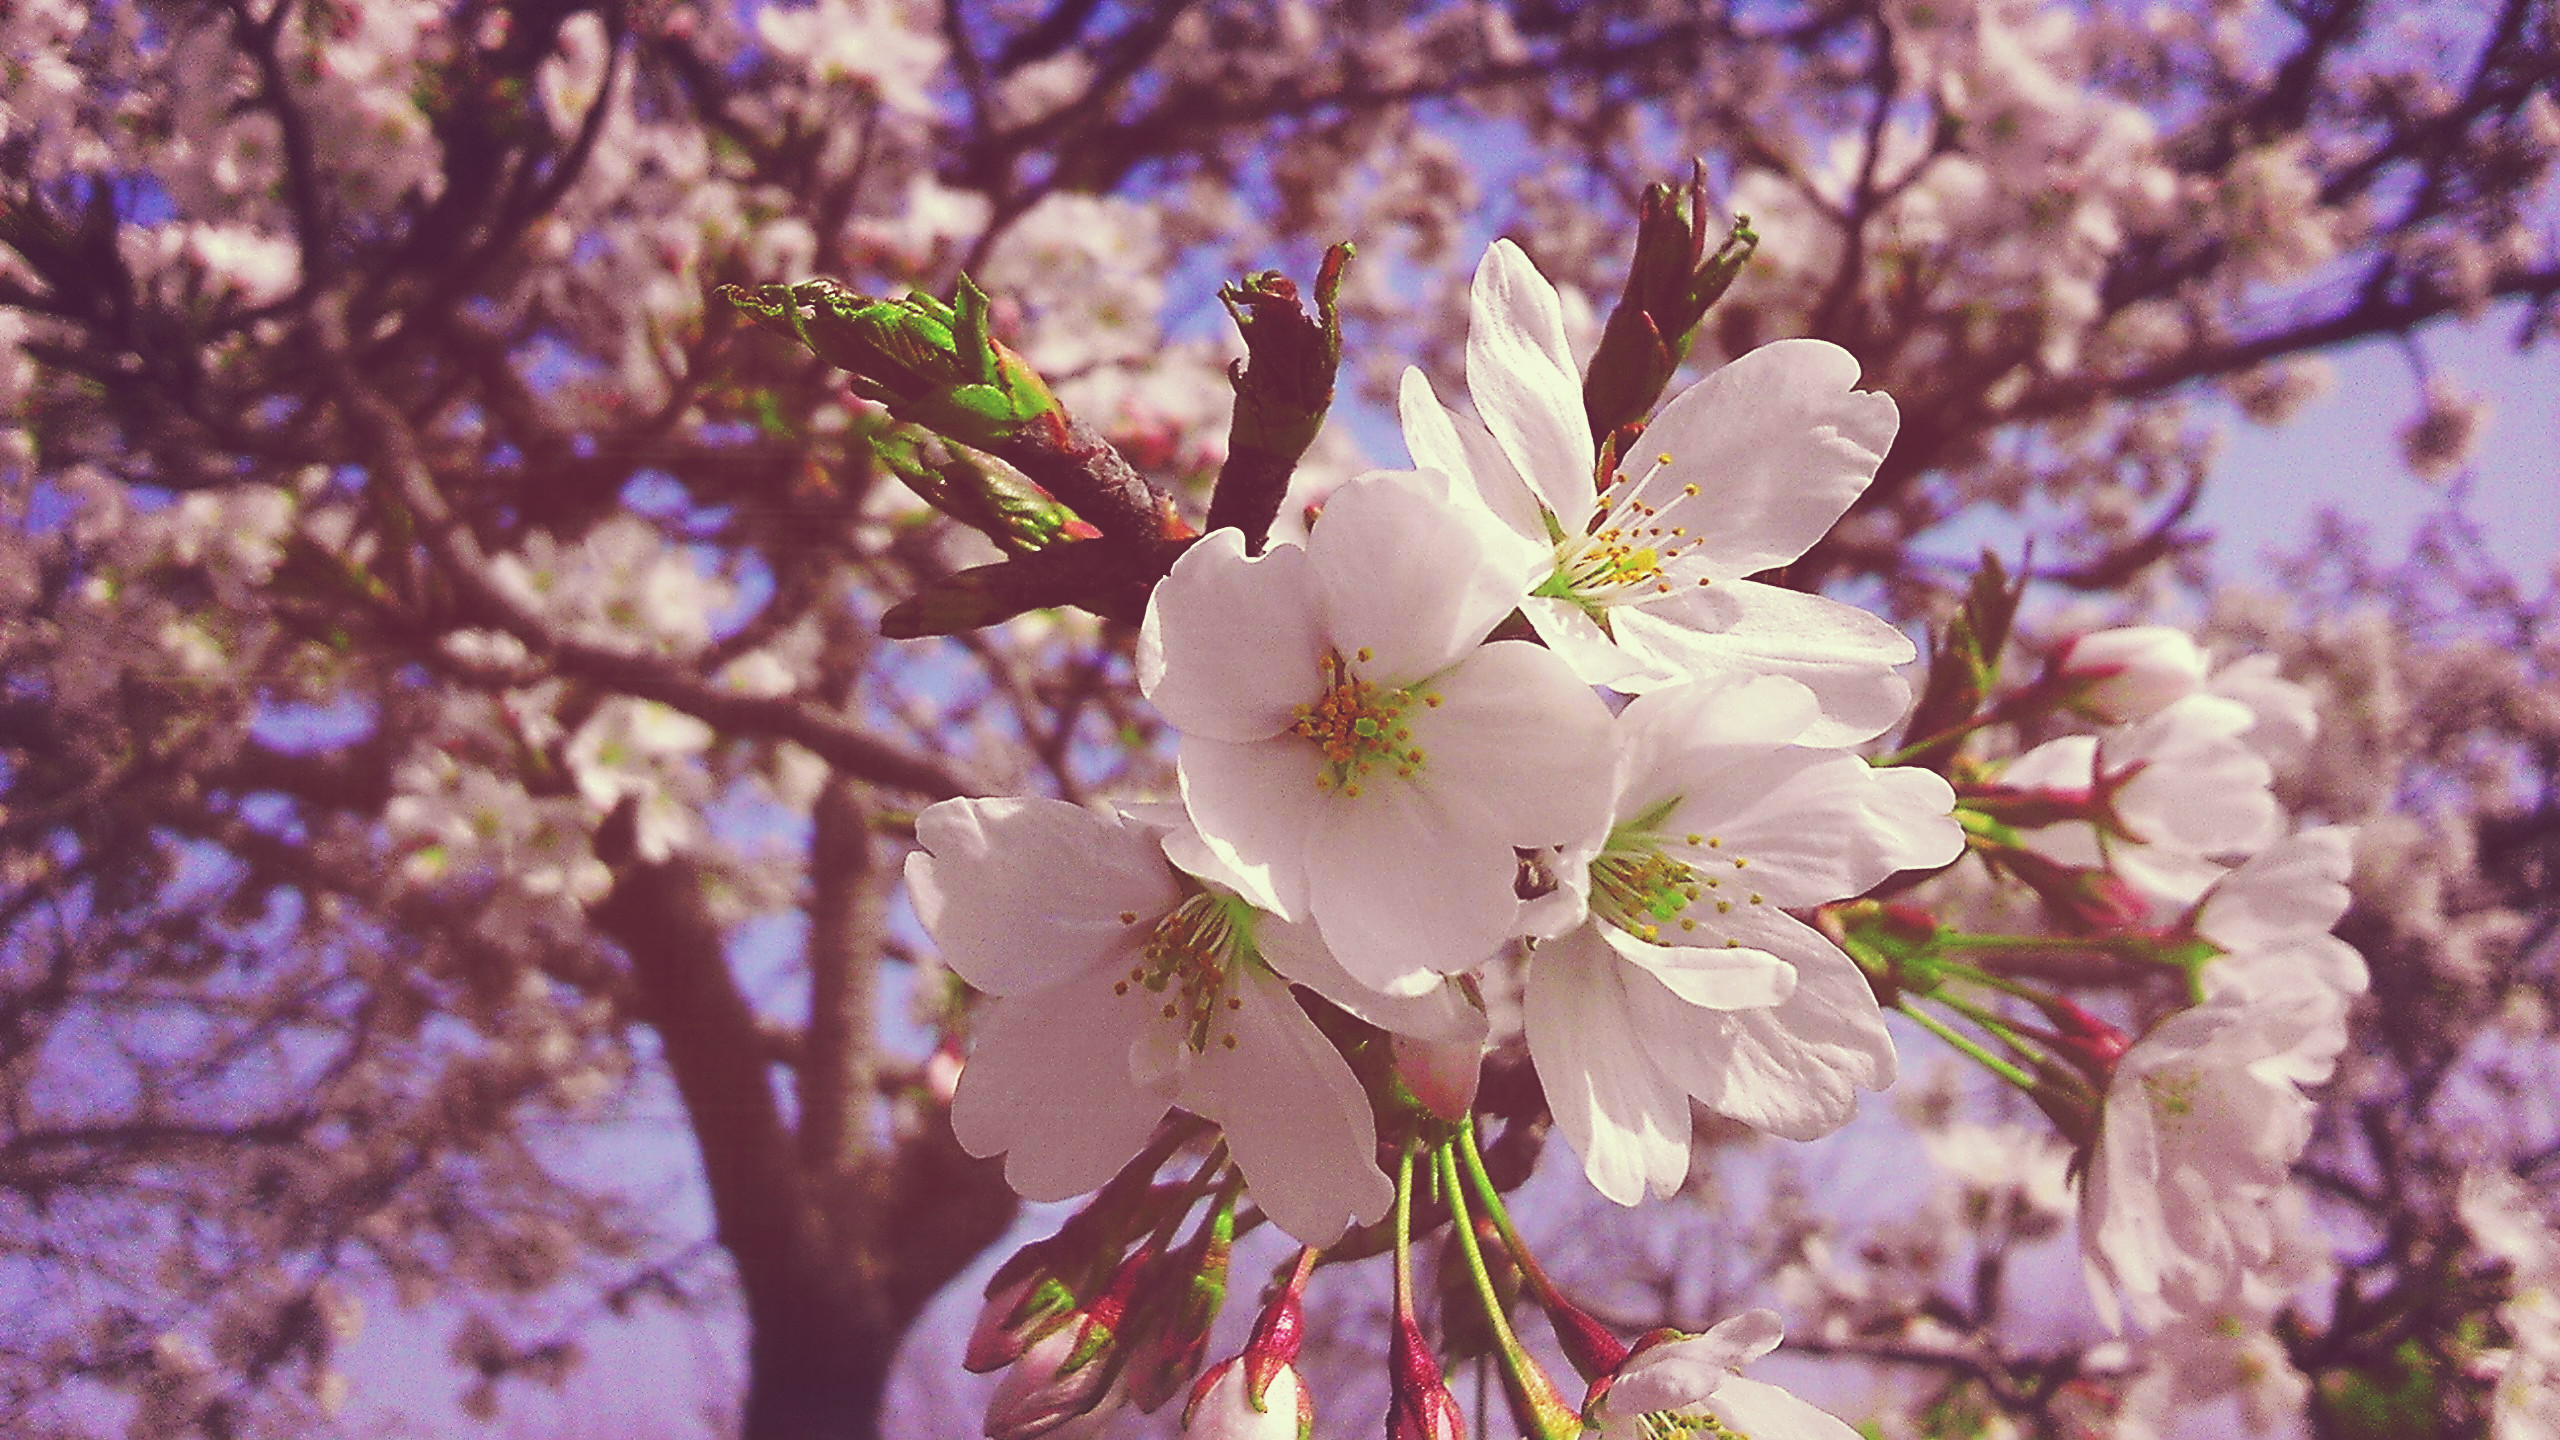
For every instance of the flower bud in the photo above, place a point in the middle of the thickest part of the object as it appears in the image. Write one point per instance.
(1018, 1313)
(1072, 1370)
(1174, 1311)
(1224, 1406)
(2122, 675)
(1067, 1374)
(1441, 1074)
(2080, 900)
(2089, 1042)
(1585, 1341)
(1419, 1405)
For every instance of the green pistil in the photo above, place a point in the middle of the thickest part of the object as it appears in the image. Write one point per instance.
(1357, 727)
(2173, 1096)
(1187, 962)
(1640, 889)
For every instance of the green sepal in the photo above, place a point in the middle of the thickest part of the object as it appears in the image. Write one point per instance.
(932, 363)
(1964, 667)
(978, 490)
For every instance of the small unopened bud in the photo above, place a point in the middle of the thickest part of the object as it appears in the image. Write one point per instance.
(1067, 1374)
(1224, 1405)
(1586, 1342)
(2091, 1043)
(2123, 675)
(2069, 1101)
(1441, 1074)
(1419, 1405)
(1173, 1314)
(2080, 900)
(1017, 1314)
(1074, 1369)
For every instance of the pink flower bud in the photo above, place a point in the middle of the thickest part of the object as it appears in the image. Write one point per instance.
(1067, 1374)
(1074, 1369)
(1586, 1342)
(1224, 1407)
(2119, 676)
(1419, 1405)
(1017, 1314)
(2080, 900)
(1174, 1310)
(1441, 1074)
(2093, 1044)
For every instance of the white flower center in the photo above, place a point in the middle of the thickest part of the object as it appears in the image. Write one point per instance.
(1186, 965)
(1624, 554)
(1358, 727)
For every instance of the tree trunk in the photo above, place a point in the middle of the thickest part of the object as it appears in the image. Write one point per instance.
(836, 1252)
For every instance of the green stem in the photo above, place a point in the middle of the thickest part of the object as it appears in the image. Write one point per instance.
(1197, 1186)
(1464, 1227)
(1905, 755)
(1486, 1191)
(1404, 1236)
(1500, 1214)
(2000, 1027)
(1972, 1049)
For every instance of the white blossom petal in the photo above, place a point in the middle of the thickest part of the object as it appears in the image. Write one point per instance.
(1710, 978)
(1629, 1125)
(1572, 633)
(1521, 375)
(1794, 1069)
(1407, 588)
(1020, 894)
(1229, 647)
(1048, 1087)
(1764, 1411)
(1407, 889)
(2294, 888)
(1840, 652)
(1462, 449)
(1676, 1375)
(1521, 741)
(1824, 826)
(1441, 1014)
(1256, 806)
(1294, 1116)
(1779, 444)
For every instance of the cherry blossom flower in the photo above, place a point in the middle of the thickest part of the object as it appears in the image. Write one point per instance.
(2288, 718)
(2131, 672)
(2225, 1345)
(1678, 972)
(1674, 1384)
(2271, 918)
(2183, 788)
(1350, 752)
(1122, 988)
(640, 750)
(2203, 1119)
(1640, 583)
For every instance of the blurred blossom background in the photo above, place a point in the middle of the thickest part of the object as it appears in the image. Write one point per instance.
(454, 974)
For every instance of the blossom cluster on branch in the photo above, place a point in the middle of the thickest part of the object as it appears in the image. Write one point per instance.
(467, 688)
(1520, 721)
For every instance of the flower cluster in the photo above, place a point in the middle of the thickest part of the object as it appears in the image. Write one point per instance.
(1397, 775)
